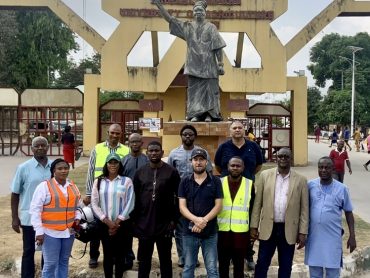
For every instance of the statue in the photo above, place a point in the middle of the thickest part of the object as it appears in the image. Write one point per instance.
(203, 62)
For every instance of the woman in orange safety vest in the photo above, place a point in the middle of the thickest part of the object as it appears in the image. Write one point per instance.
(53, 215)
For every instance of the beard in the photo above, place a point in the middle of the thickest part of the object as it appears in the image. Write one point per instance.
(199, 171)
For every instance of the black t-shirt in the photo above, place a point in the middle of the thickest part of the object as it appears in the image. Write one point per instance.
(152, 217)
(200, 200)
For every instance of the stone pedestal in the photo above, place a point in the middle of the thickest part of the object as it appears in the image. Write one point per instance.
(210, 135)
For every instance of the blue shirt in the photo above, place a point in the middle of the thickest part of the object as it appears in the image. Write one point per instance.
(179, 158)
(28, 175)
(250, 153)
(132, 163)
(324, 241)
(346, 134)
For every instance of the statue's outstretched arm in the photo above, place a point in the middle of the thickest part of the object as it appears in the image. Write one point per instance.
(162, 10)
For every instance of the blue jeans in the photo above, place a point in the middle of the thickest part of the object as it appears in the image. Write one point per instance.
(209, 250)
(318, 272)
(56, 252)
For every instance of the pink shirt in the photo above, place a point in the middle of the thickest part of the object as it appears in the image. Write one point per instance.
(281, 197)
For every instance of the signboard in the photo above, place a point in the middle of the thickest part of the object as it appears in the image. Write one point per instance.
(153, 124)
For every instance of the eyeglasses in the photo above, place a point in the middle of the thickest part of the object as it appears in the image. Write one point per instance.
(188, 134)
(285, 156)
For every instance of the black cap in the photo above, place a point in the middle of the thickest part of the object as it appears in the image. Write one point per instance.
(199, 152)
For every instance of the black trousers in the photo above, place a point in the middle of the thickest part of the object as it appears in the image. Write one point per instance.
(28, 256)
(115, 249)
(236, 255)
(267, 249)
(94, 249)
(145, 252)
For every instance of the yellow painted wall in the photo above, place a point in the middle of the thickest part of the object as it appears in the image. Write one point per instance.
(298, 88)
(91, 108)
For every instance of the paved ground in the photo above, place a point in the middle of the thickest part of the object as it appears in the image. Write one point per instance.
(358, 182)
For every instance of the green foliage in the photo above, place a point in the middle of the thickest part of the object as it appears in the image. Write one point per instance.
(327, 64)
(73, 76)
(38, 50)
(106, 96)
(313, 106)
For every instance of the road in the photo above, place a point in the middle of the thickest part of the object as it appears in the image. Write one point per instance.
(358, 182)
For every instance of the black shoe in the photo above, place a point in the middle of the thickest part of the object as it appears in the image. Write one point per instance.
(198, 264)
(93, 263)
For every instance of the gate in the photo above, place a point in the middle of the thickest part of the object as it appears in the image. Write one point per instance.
(49, 122)
(9, 130)
(272, 129)
(123, 112)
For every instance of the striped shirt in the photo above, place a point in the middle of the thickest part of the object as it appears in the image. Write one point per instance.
(115, 199)
(91, 170)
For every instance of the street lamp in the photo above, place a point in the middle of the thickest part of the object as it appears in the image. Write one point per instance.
(354, 49)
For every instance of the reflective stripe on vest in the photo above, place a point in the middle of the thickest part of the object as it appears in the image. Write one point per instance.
(102, 151)
(235, 215)
(59, 214)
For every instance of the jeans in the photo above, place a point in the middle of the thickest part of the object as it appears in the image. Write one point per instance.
(267, 249)
(178, 238)
(209, 250)
(28, 256)
(56, 252)
(318, 272)
(145, 252)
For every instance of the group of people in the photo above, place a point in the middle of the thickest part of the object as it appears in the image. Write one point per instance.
(138, 195)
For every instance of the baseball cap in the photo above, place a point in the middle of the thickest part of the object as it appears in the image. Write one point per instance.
(199, 152)
(112, 156)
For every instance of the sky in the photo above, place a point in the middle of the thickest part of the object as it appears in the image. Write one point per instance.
(299, 13)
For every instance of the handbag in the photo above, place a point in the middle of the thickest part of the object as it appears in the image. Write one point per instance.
(89, 226)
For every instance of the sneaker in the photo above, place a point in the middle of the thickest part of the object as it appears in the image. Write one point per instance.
(93, 263)
(367, 169)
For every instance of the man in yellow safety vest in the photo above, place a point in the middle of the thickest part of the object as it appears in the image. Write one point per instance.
(233, 220)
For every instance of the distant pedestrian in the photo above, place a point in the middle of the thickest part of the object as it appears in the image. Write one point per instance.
(346, 137)
(368, 150)
(334, 138)
(68, 141)
(328, 200)
(317, 134)
(357, 136)
(339, 156)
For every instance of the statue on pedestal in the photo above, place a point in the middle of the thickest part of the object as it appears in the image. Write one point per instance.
(203, 63)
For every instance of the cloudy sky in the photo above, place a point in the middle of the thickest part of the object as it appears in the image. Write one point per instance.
(300, 12)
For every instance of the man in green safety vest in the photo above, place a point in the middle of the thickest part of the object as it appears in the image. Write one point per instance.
(96, 163)
(233, 220)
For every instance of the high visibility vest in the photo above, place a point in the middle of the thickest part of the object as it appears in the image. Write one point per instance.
(59, 214)
(235, 214)
(102, 151)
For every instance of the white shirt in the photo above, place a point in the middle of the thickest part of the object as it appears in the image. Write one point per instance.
(40, 198)
(281, 197)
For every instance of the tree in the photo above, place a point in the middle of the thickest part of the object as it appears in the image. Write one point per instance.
(73, 76)
(313, 106)
(40, 49)
(327, 63)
